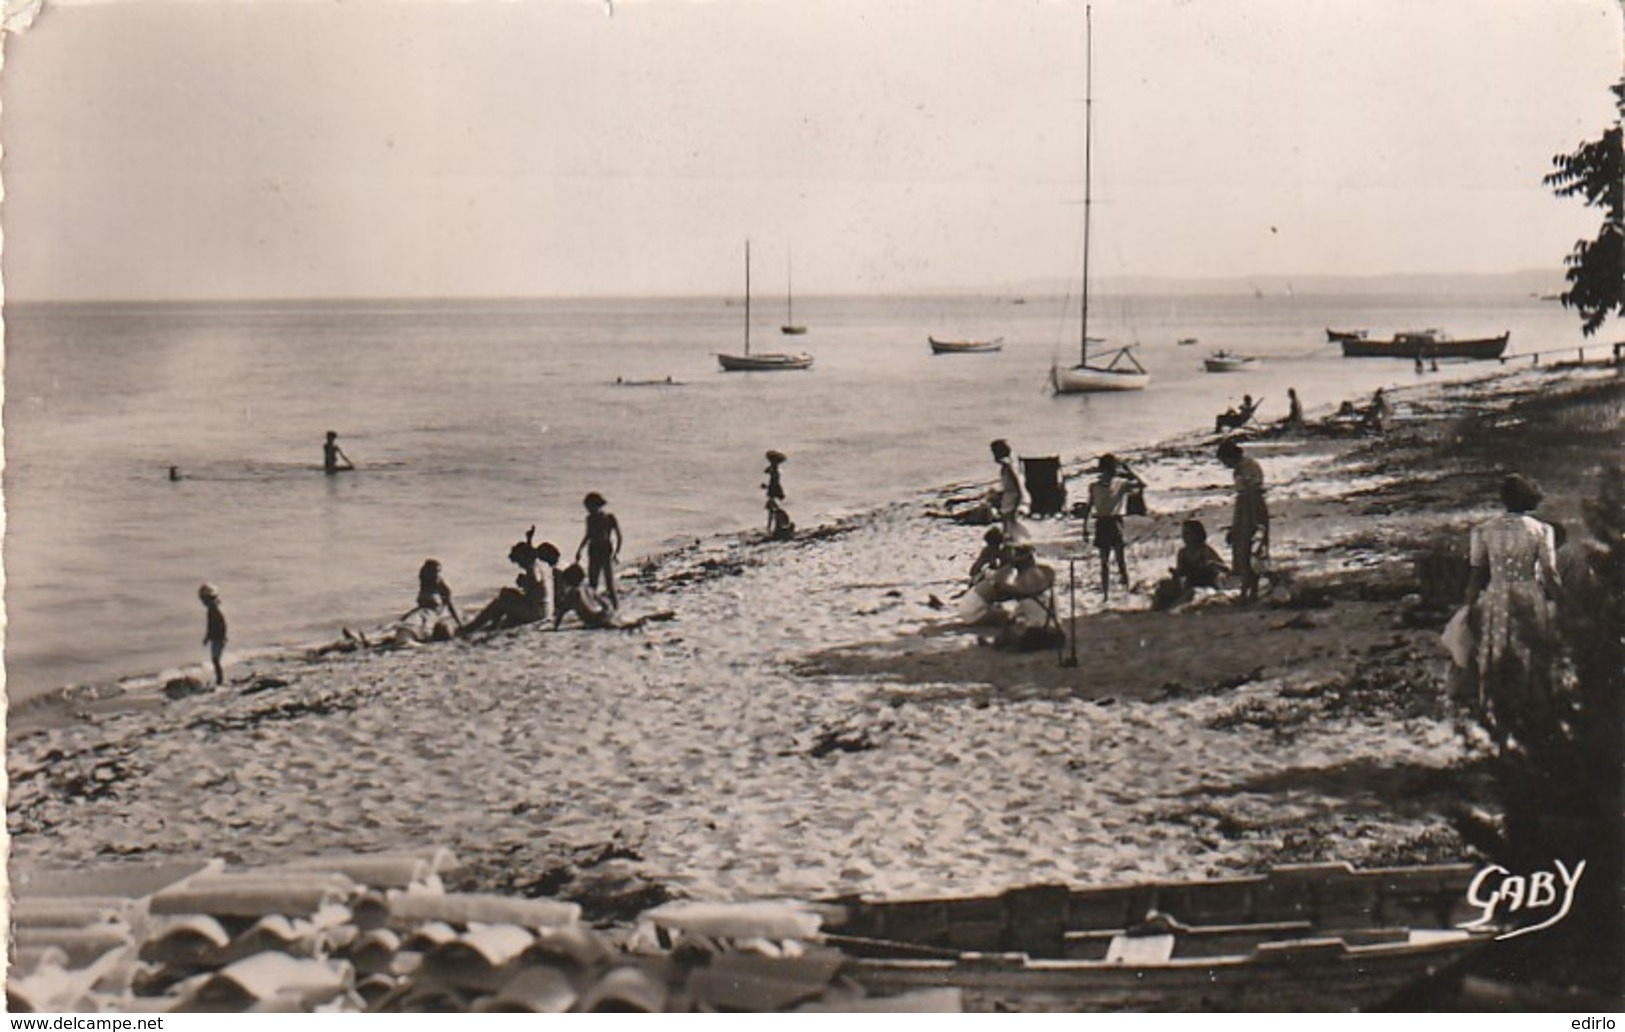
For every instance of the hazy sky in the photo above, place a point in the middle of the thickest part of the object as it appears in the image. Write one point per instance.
(556, 147)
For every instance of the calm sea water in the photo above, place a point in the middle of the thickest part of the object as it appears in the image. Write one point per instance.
(473, 420)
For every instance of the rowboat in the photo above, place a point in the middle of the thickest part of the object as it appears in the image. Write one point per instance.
(1427, 344)
(1338, 336)
(1228, 362)
(1186, 342)
(761, 362)
(961, 347)
(1304, 937)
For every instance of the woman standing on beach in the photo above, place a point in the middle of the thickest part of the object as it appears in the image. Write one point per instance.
(602, 542)
(1007, 496)
(1107, 495)
(1250, 521)
(1510, 609)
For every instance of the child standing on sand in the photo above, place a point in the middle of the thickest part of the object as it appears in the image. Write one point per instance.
(214, 634)
(602, 543)
(779, 525)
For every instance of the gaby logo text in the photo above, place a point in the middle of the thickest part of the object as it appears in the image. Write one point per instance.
(1497, 891)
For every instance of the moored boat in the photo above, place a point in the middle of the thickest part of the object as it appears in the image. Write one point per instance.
(1426, 344)
(960, 347)
(1120, 370)
(1337, 336)
(1222, 361)
(760, 362)
(1311, 937)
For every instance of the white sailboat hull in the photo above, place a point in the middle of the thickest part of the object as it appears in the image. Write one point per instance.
(1093, 379)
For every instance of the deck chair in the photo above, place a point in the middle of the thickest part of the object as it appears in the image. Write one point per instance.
(1033, 635)
(1046, 493)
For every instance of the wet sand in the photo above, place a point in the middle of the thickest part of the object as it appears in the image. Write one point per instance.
(811, 723)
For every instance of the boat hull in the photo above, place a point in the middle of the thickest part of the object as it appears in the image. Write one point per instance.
(1338, 336)
(963, 347)
(1310, 938)
(1228, 364)
(1094, 379)
(765, 363)
(1408, 346)
(792, 331)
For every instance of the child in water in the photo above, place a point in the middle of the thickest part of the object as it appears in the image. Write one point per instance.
(214, 634)
(602, 543)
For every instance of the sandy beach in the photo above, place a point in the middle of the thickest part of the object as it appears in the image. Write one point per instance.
(811, 722)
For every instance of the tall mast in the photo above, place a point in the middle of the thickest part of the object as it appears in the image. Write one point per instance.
(747, 295)
(1088, 146)
(789, 292)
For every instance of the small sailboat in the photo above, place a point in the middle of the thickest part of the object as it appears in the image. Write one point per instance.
(760, 362)
(1115, 370)
(963, 347)
(790, 328)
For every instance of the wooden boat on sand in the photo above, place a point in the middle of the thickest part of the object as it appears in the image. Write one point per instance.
(1313, 937)
(1426, 344)
(964, 347)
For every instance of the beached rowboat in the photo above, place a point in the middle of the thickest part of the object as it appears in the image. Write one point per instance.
(1310, 937)
(961, 347)
(1427, 344)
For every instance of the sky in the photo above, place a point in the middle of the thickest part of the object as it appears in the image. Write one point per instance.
(503, 148)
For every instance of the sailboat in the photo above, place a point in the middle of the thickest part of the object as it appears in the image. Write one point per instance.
(1117, 369)
(759, 362)
(790, 327)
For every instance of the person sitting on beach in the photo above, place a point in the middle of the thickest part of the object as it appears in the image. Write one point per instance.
(993, 556)
(1107, 496)
(1236, 418)
(1294, 412)
(1028, 584)
(1021, 577)
(432, 594)
(214, 632)
(582, 600)
(1376, 414)
(602, 542)
(1196, 565)
(1250, 521)
(527, 601)
(332, 455)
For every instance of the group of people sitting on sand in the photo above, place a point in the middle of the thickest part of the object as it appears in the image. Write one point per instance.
(1008, 586)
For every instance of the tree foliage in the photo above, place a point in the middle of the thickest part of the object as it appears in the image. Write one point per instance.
(1596, 268)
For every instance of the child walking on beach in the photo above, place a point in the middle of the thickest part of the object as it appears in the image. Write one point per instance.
(602, 543)
(214, 634)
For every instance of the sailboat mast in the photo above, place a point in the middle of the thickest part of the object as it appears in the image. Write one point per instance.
(1088, 147)
(747, 296)
(789, 293)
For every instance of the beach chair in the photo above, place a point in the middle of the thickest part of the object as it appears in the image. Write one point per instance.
(1046, 494)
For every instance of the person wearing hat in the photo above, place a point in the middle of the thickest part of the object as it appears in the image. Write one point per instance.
(778, 521)
(1510, 610)
(1107, 496)
(214, 634)
(602, 543)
